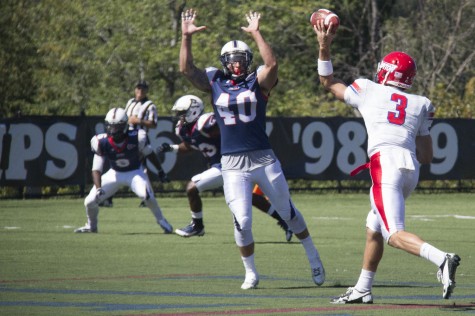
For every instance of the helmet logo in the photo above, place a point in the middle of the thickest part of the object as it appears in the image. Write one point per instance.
(387, 66)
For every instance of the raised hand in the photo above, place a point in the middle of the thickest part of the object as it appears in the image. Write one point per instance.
(188, 26)
(253, 20)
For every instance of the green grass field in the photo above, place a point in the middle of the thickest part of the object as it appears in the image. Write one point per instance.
(132, 268)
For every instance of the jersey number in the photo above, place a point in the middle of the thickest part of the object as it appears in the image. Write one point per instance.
(246, 107)
(399, 116)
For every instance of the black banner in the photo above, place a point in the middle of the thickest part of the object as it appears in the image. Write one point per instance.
(41, 151)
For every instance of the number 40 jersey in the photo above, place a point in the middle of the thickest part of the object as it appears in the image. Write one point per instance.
(240, 110)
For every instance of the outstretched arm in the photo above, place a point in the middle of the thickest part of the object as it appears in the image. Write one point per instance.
(325, 68)
(267, 77)
(196, 76)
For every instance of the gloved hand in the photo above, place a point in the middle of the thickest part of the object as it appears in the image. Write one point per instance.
(165, 147)
(99, 194)
(162, 176)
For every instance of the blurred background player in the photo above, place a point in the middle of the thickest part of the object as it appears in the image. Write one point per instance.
(199, 131)
(397, 124)
(239, 99)
(125, 150)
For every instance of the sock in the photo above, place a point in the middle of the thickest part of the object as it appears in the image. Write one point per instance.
(197, 214)
(432, 254)
(312, 252)
(365, 282)
(249, 266)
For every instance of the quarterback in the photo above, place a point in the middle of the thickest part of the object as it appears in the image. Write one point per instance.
(397, 124)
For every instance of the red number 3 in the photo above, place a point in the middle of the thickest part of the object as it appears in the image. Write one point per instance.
(399, 116)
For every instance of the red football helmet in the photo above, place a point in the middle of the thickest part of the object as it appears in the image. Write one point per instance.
(396, 69)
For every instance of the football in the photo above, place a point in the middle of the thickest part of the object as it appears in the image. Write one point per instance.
(326, 15)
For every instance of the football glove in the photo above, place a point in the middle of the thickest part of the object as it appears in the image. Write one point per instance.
(162, 176)
(165, 147)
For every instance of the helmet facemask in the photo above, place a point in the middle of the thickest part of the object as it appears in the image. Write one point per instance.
(117, 131)
(116, 123)
(236, 64)
(233, 54)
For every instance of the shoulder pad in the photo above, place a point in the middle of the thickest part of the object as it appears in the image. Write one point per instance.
(205, 123)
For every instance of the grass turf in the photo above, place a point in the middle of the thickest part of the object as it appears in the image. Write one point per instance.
(131, 268)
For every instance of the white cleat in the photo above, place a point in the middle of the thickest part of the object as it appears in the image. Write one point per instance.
(250, 283)
(318, 273)
(353, 296)
(86, 229)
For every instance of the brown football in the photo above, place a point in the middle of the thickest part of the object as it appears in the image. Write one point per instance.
(327, 16)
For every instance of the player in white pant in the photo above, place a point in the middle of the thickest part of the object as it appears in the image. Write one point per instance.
(239, 96)
(199, 131)
(397, 124)
(124, 149)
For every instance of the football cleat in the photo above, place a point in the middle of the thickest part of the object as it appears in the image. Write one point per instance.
(86, 229)
(250, 283)
(353, 296)
(288, 232)
(318, 274)
(446, 274)
(191, 230)
(167, 228)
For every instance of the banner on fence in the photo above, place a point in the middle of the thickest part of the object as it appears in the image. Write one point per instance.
(41, 151)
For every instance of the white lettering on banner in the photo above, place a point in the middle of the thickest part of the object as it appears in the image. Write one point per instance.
(447, 155)
(155, 141)
(26, 145)
(351, 136)
(323, 153)
(61, 150)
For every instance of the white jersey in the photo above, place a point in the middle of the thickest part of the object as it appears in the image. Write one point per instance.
(393, 118)
(144, 110)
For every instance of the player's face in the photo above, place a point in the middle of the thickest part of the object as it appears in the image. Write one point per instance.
(237, 64)
(236, 67)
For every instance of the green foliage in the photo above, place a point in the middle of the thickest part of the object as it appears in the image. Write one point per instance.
(69, 57)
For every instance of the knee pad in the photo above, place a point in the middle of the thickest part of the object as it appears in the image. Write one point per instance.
(297, 223)
(243, 237)
(90, 201)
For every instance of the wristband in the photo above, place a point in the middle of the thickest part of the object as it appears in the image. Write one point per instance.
(325, 67)
(174, 148)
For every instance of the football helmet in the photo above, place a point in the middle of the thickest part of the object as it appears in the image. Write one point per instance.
(236, 51)
(117, 124)
(188, 107)
(396, 69)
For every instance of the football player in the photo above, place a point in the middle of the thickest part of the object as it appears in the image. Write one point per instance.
(397, 124)
(199, 131)
(239, 98)
(125, 150)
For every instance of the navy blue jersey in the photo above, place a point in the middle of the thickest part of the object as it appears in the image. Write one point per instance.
(203, 135)
(125, 157)
(240, 110)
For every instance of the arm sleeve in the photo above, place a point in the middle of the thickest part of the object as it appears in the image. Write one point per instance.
(98, 163)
